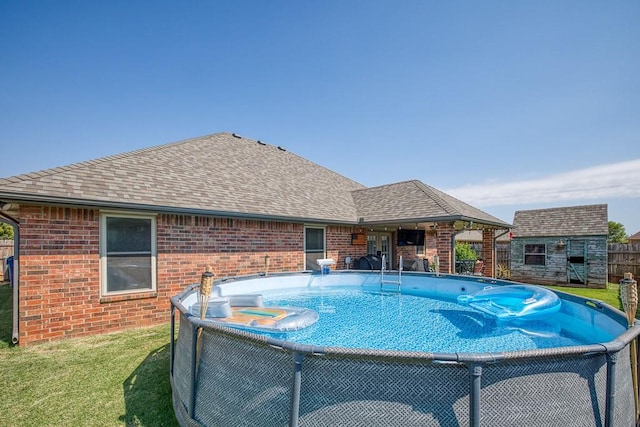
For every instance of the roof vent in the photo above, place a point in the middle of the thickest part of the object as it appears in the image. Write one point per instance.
(260, 142)
(235, 135)
(281, 149)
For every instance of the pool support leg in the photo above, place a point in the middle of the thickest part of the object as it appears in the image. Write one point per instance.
(612, 359)
(172, 345)
(194, 361)
(475, 371)
(294, 410)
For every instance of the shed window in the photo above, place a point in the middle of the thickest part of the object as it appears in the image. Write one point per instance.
(535, 254)
(128, 253)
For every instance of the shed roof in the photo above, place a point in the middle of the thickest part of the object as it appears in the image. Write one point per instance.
(586, 220)
(224, 174)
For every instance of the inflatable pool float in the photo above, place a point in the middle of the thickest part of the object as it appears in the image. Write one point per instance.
(276, 319)
(248, 312)
(514, 301)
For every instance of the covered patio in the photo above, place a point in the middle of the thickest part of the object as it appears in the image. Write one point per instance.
(389, 213)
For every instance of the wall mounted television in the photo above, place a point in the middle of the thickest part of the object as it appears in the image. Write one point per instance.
(410, 237)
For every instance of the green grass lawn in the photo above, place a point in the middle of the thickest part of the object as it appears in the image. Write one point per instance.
(609, 295)
(112, 379)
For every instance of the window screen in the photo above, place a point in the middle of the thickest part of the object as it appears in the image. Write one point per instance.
(535, 254)
(128, 253)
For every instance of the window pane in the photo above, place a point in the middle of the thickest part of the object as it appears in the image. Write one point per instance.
(535, 254)
(128, 235)
(314, 239)
(534, 259)
(312, 260)
(126, 273)
(534, 249)
(372, 244)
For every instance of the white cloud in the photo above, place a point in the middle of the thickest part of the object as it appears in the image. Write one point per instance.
(617, 180)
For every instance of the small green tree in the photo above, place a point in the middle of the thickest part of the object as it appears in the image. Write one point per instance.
(465, 251)
(617, 233)
(6, 231)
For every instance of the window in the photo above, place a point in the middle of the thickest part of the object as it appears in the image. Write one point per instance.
(535, 254)
(314, 246)
(127, 253)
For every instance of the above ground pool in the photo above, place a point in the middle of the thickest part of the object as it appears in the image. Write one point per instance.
(359, 349)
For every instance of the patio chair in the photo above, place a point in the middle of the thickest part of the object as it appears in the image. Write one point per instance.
(478, 267)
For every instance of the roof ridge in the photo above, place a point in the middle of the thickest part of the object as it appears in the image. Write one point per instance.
(78, 165)
(561, 208)
(388, 185)
(435, 195)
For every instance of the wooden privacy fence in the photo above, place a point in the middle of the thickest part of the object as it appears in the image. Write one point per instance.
(623, 258)
(6, 248)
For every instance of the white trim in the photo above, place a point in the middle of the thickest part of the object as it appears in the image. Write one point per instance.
(103, 251)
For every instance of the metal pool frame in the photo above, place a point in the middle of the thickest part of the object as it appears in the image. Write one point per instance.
(224, 376)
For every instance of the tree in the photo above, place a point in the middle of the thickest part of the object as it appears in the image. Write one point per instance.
(617, 234)
(6, 231)
(465, 251)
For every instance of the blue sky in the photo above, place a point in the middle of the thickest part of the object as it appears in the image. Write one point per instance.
(507, 105)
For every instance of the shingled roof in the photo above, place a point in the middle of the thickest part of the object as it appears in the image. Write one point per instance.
(215, 174)
(587, 220)
(225, 174)
(414, 201)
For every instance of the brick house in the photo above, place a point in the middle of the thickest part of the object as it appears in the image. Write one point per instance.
(566, 245)
(102, 245)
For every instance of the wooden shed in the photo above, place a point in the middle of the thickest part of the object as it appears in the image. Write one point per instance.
(561, 246)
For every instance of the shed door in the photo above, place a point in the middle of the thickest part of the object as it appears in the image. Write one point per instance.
(577, 261)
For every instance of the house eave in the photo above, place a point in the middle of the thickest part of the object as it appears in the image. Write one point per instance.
(177, 210)
(478, 223)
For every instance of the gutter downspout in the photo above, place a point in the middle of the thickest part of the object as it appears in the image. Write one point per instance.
(15, 334)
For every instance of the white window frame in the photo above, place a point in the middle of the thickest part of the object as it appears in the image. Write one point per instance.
(104, 256)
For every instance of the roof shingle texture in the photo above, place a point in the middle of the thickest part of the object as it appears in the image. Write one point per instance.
(220, 173)
(226, 174)
(587, 220)
(414, 201)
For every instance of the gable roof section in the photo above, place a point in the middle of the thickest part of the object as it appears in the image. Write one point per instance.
(635, 237)
(216, 174)
(587, 220)
(227, 175)
(414, 201)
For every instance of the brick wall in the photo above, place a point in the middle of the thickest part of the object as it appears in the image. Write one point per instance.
(444, 235)
(60, 266)
(339, 246)
(409, 252)
(488, 253)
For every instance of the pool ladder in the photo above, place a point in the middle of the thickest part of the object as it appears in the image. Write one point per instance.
(390, 282)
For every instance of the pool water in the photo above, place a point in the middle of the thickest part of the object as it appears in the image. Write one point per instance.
(355, 317)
